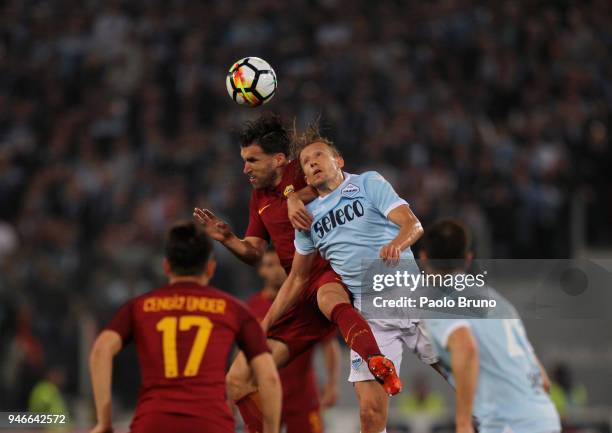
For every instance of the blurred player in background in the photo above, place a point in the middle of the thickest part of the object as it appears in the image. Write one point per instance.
(497, 376)
(276, 182)
(184, 333)
(357, 218)
(301, 404)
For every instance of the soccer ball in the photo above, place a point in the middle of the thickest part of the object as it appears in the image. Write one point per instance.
(251, 81)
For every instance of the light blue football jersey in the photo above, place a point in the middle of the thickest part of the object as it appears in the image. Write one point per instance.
(509, 393)
(350, 226)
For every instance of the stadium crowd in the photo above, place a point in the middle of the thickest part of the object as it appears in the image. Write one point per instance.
(115, 122)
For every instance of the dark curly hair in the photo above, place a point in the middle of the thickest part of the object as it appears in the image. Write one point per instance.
(268, 132)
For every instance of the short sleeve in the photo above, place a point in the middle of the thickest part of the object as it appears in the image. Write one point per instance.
(250, 337)
(381, 193)
(441, 329)
(256, 226)
(121, 322)
(303, 243)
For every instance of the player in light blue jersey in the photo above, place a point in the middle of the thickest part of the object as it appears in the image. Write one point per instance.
(496, 373)
(356, 218)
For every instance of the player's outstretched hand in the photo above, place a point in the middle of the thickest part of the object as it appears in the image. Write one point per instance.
(299, 217)
(390, 254)
(99, 428)
(214, 227)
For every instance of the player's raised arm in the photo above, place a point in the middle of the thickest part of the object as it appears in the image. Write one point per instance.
(382, 195)
(270, 391)
(291, 288)
(249, 250)
(252, 341)
(107, 345)
(464, 363)
(410, 232)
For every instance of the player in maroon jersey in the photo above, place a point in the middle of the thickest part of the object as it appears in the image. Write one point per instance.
(184, 333)
(325, 303)
(301, 404)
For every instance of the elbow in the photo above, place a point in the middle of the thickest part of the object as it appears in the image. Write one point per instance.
(98, 352)
(256, 255)
(472, 353)
(470, 347)
(104, 348)
(418, 229)
(469, 353)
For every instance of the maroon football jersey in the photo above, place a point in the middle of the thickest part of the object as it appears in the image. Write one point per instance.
(184, 333)
(268, 218)
(298, 378)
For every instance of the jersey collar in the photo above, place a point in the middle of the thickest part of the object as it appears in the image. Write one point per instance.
(347, 176)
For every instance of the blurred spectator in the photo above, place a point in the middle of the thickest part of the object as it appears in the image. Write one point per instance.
(24, 361)
(46, 397)
(421, 401)
(8, 240)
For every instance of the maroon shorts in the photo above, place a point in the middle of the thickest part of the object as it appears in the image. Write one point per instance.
(303, 325)
(160, 422)
(307, 421)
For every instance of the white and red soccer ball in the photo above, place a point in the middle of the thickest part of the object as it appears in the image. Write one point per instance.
(251, 81)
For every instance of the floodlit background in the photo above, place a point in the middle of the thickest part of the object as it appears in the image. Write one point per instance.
(115, 122)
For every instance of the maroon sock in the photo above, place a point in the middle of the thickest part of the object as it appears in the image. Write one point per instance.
(250, 409)
(355, 330)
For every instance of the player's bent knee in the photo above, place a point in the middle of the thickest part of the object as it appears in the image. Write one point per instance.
(329, 295)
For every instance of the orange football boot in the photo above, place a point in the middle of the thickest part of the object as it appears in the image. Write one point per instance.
(384, 372)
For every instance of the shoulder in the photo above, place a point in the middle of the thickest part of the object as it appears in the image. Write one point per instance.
(371, 176)
(293, 175)
(368, 182)
(292, 167)
(292, 172)
(440, 330)
(129, 304)
(365, 179)
(230, 299)
(375, 185)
